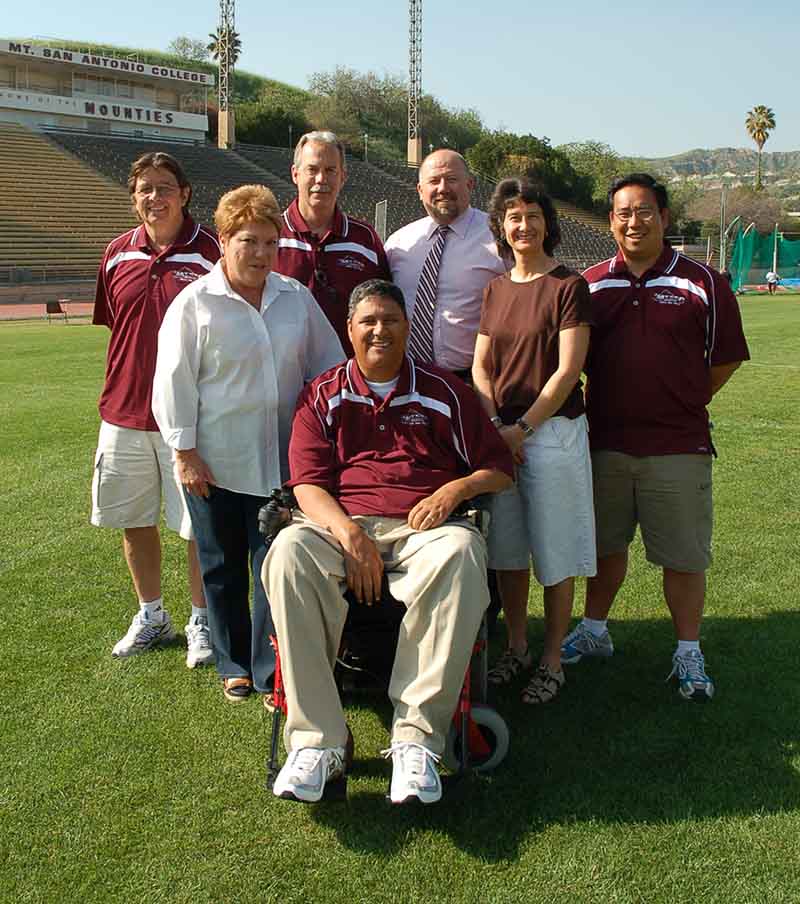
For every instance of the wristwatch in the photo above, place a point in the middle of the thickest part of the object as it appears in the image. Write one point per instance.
(497, 421)
(525, 427)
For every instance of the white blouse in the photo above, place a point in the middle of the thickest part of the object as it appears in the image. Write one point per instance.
(228, 376)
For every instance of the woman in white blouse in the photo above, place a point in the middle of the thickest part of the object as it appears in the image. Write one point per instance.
(234, 351)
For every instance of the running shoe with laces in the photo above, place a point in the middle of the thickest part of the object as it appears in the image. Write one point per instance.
(198, 642)
(581, 642)
(414, 774)
(689, 670)
(306, 771)
(144, 634)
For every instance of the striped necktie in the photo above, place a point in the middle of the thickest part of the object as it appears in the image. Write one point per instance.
(420, 340)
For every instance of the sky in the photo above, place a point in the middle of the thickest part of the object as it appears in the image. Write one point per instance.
(650, 79)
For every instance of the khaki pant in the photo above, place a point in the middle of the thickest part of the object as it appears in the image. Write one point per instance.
(440, 575)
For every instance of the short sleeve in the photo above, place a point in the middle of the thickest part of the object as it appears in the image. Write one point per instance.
(728, 342)
(311, 452)
(575, 305)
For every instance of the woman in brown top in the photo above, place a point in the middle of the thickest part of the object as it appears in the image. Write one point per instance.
(529, 353)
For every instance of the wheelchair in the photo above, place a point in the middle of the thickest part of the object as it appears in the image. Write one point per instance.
(365, 659)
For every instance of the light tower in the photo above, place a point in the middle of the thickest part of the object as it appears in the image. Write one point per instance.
(226, 130)
(414, 81)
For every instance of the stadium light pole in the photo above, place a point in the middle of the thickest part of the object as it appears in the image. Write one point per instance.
(226, 130)
(414, 81)
(290, 136)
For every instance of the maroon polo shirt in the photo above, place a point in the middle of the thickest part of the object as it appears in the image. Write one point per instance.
(331, 266)
(654, 339)
(382, 456)
(135, 286)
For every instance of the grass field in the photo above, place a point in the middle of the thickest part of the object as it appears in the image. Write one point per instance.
(133, 781)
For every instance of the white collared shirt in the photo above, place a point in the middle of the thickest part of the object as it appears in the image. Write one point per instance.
(469, 261)
(228, 376)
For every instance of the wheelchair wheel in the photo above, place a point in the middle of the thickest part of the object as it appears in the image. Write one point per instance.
(494, 734)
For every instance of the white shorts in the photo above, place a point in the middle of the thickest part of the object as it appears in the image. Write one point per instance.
(132, 469)
(548, 515)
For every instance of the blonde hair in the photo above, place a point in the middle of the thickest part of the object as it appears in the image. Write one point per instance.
(246, 204)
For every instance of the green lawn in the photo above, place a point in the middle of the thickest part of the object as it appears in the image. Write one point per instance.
(134, 782)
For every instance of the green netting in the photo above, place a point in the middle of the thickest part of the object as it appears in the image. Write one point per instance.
(752, 257)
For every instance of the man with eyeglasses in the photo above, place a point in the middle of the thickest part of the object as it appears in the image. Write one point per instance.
(140, 274)
(667, 337)
(321, 246)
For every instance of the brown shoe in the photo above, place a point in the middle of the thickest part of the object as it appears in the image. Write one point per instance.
(237, 690)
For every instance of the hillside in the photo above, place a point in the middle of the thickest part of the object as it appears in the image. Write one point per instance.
(724, 161)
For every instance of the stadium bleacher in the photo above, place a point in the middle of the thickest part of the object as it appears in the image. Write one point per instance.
(48, 228)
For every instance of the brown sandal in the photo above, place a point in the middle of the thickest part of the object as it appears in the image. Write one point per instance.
(545, 684)
(237, 690)
(508, 666)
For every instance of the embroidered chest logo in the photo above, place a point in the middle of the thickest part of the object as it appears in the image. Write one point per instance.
(350, 263)
(184, 275)
(667, 297)
(414, 419)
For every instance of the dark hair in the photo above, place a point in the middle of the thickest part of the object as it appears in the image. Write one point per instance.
(158, 160)
(508, 192)
(643, 180)
(381, 288)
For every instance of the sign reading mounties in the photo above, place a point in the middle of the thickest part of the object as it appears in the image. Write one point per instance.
(112, 64)
(101, 108)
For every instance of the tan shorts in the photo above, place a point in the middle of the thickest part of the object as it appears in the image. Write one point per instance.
(132, 469)
(668, 496)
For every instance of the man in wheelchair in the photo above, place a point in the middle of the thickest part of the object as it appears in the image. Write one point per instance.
(382, 451)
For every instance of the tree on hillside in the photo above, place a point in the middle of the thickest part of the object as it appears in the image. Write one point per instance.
(188, 49)
(599, 164)
(759, 123)
(501, 154)
(213, 45)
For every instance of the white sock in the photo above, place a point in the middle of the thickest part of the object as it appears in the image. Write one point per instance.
(687, 646)
(595, 626)
(198, 612)
(152, 610)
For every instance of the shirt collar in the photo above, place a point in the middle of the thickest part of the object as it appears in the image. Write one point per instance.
(186, 236)
(405, 383)
(663, 264)
(217, 284)
(294, 220)
(460, 226)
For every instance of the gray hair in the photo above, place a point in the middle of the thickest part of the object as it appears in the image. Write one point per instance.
(380, 288)
(322, 138)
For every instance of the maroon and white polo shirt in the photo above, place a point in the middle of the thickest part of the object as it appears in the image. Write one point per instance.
(331, 266)
(135, 286)
(382, 456)
(653, 341)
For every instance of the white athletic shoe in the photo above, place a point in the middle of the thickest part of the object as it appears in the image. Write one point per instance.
(414, 773)
(198, 642)
(144, 634)
(306, 771)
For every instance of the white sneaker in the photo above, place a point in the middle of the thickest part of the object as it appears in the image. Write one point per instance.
(144, 634)
(198, 642)
(306, 771)
(414, 773)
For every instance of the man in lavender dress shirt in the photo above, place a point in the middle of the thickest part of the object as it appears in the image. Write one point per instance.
(468, 262)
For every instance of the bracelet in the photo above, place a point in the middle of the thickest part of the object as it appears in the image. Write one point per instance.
(497, 421)
(525, 427)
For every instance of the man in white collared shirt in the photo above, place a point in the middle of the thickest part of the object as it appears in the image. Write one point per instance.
(469, 260)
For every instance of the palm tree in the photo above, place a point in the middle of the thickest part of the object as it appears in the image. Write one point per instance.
(235, 45)
(759, 123)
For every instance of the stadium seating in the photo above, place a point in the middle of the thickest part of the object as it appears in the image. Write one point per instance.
(55, 228)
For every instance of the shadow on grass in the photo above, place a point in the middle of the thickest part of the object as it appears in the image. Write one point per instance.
(619, 746)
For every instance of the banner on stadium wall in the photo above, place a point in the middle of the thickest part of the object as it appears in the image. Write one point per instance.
(110, 64)
(102, 108)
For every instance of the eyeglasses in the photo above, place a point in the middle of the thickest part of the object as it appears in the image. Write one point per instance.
(164, 191)
(645, 214)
